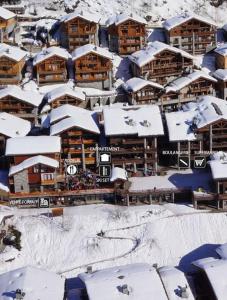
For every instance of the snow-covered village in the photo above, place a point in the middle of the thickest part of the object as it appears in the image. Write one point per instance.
(113, 149)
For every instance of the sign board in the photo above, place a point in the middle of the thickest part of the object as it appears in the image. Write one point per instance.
(71, 170)
(25, 202)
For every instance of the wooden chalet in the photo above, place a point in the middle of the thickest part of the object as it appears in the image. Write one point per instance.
(93, 67)
(11, 126)
(19, 102)
(12, 64)
(221, 76)
(79, 135)
(199, 129)
(66, 95)
(126, 33)
(141, 91)
(50, 65)
(34, 164)
(7, 24)
(78, 29)
(193, 34)
(187, 88)
(134, 130)
(16, 9)
(221, 57)
(160, 63)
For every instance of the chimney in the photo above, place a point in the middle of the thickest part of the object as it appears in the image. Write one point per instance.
(145, 123)
(89, 269)
(95, 48)
(125, 289)
(19, 294)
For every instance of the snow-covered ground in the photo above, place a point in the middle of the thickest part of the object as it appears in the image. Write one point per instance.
(167, 235)
(157, 10)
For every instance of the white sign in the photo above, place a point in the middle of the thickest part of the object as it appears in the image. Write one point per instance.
(71, 170)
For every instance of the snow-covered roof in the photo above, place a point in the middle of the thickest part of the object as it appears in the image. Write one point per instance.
(138, 120)
(216, 271)
(222, 50)
(83, 15)
(180, 19)
(141, 280)
(118, 173)
(66, 111)
(17, 92)
(222, 251)
(183, 81)
(221, 74)
(182, 125)
(35, 283)
(144, 56)
(6, 14)
(172, 180)
(89, 48)
(173, 280)
(79, 117)
(65, 90)
(30, 145)
(50, 52)
(12, 126)
(11, 52)
(121, 18)
(135, 84)
(32, 161)
(178, 124)
(218, 165)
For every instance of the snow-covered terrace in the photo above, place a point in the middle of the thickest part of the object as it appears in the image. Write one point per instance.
(141, 280)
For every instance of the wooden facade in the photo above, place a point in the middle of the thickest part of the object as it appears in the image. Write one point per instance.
(193, 36)
(210, 138)
(67, 99)
(36, 178)
(146, 95)
(11, 70)
(78, 31)
(6, 28)
(134, 153)
(221, 60)
(51, 70)
(77, 147)
(127, 37)
(93, 70)
(166, 66)
(19, 108)
(173, 97)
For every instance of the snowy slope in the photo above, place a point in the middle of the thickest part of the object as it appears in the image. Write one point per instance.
(150, 234)
(156, 9)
